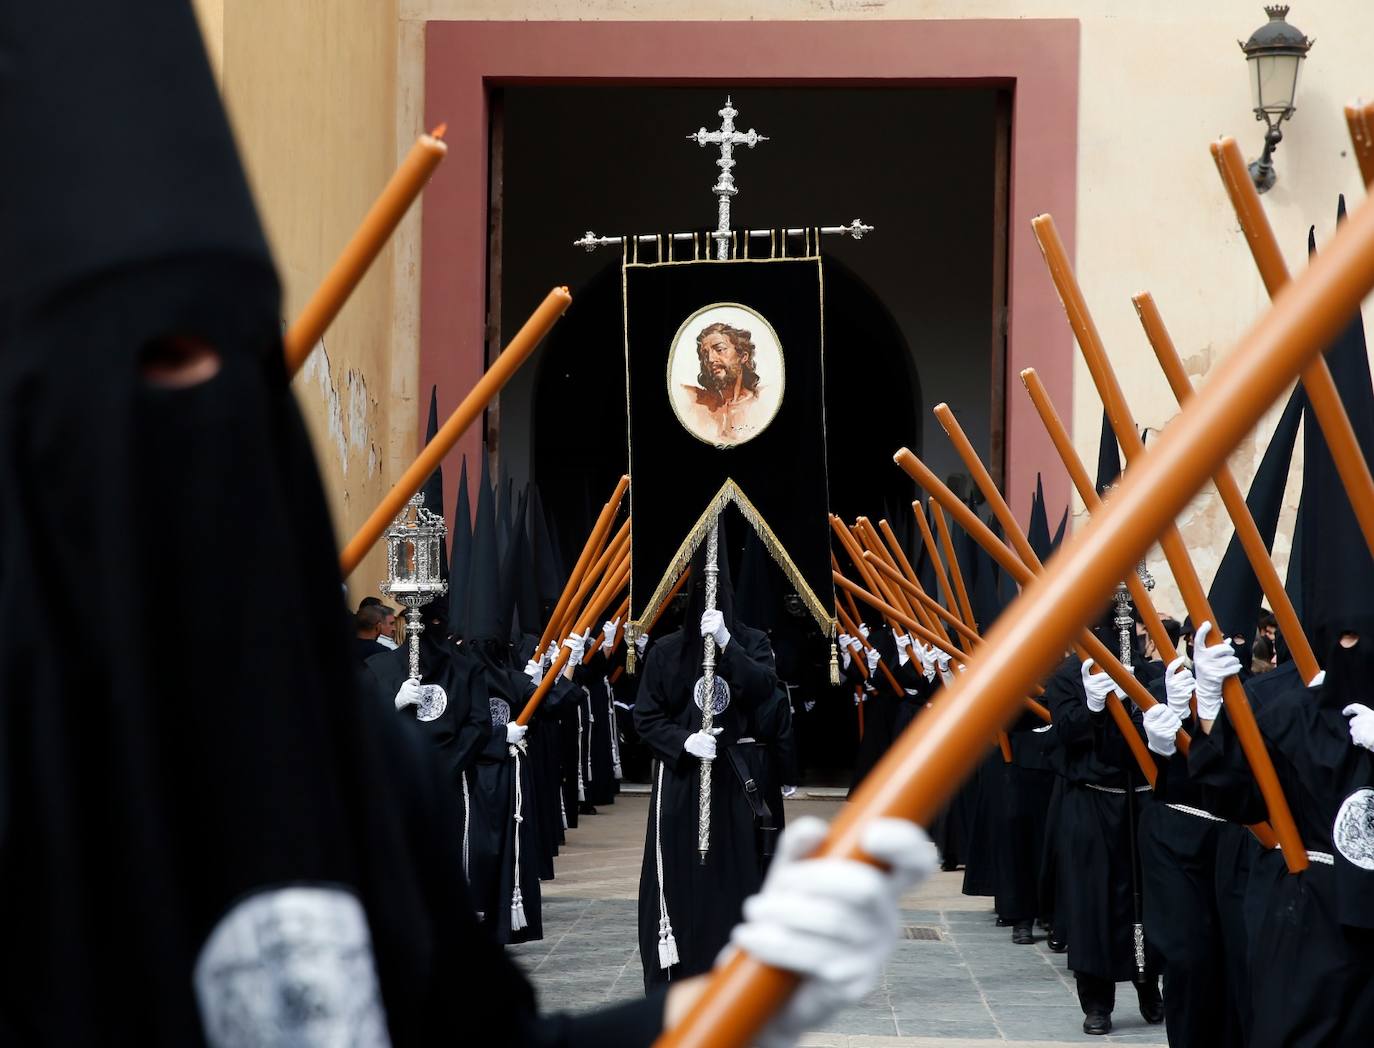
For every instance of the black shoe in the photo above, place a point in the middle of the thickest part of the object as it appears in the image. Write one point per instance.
(947, 866)
(1097, 1023)
(1022, 933)
(1055, 943)
(1151, 1004)
(585, 808)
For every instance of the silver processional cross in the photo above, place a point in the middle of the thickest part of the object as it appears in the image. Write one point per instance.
(727, 138)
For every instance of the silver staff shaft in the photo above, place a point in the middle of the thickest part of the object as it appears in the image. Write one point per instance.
(708, 693)
(414, 628)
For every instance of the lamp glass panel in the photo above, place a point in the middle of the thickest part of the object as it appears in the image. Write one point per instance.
(1274, 82)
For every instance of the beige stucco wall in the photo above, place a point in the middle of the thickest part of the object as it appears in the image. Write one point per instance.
(311, 87)
(325, 94)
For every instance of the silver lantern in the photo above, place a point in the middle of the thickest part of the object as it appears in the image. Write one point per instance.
(414, 545)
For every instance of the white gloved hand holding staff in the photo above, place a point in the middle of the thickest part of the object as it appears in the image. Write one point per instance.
(832, 921)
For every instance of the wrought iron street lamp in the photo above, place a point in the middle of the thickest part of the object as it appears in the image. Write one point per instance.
(1274, 53)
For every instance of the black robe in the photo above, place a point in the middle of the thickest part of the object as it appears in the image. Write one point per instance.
(703, 902)
(458, 734)
(1022, 819)
(599, 773)
(505, 823)
(1096, 865)
(1312, 952)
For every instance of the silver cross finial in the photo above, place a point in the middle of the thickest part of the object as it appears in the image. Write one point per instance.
(727, 138)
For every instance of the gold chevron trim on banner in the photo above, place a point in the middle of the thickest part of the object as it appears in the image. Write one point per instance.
(682, 559)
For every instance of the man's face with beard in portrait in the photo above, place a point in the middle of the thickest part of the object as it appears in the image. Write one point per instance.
(721, 361)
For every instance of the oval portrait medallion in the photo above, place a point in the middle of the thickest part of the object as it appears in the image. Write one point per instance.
(725, 374)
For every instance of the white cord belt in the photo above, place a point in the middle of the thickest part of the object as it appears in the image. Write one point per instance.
(1189, 810)
(1325, 858)
(1115, 789)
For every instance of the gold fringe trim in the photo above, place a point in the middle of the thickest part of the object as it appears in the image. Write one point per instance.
(682, 559)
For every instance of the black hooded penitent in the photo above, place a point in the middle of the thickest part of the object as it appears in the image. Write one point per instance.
(189, 805)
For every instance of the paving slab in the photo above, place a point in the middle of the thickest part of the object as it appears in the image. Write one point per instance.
(971, 988)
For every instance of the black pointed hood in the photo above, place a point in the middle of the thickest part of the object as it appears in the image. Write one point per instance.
(1059, 531)
(548, 572)
(758, 597)
(434, 483)
(513, 566)
(1108, 456)
(1337, 572)
(104, 170)
(460, 557)
(484, 571)
(1038, 529)
(1236, 594)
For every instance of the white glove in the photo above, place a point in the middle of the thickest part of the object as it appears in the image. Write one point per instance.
(713, 626)
(1098, 686)
(1179, 686)
(409, 695)
(641, 642)
(845, 640)
(534, 670)
(789, 791)
(927, 657)
(702, 744)
(576, 645)
(608, 632)
(863, 628)
(903, 648)
(832, 921)
(942, 661)
(1211, 666)
(1162, 723)
(515, 733)
(1361, 724)
(873, 659)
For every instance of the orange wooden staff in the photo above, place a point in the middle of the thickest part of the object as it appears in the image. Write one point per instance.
(1078, 474)
(1175, 551)
(555, 304)
(363, 248)
(925, 764)
(896, 616)
(645, 631)
(855, 555)
(619, 619)
(1023, 569)
(933, 552)
(875, 552)
(914, 590)
(604, 567)
(852, 625)
(1359, 119)
(591, 549)
(1317, 382)
(1246, 531)
(965, 607)
(898, 560)
(605, 594)
(892, 597)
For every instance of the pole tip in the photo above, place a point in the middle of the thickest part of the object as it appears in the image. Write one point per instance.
(439, 131)
(1026, 374)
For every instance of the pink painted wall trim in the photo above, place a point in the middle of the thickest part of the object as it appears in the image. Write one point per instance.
(1037, 58)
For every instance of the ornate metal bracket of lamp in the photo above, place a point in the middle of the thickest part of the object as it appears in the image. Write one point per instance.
(1275, 53)
(413, 545)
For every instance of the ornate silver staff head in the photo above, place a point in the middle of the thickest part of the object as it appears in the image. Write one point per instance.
(414, 545)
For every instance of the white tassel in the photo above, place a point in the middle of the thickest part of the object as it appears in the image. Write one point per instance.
(581, 789)
(667, 945)
(517, 899)
(615, 733)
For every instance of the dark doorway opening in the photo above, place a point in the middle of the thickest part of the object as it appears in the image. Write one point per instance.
(914, 312)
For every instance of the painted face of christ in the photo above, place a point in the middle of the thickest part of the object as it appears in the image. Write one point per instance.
(727, 361)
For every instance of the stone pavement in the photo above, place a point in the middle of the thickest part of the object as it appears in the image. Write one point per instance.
(957, 982)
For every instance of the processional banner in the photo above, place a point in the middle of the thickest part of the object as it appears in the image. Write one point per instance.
(726, 389)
